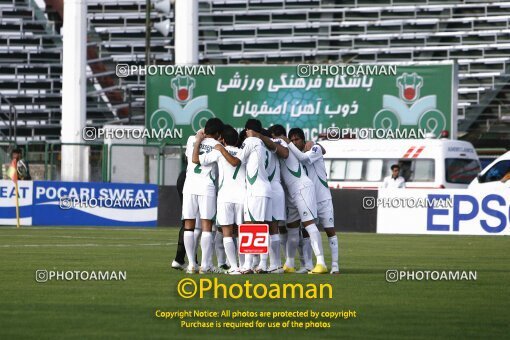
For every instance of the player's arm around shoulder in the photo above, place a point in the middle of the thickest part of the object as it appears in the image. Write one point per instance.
(209, 158)
(189, 148)
(315, 153)
(310, 144)
(284, 143)
(234, 161)
(281, 151)
(196, 148)
(302, 157)
(279, 147)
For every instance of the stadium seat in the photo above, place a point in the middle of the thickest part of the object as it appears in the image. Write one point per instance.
(474, 33)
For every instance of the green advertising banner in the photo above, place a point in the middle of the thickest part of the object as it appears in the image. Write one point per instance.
(403, 101)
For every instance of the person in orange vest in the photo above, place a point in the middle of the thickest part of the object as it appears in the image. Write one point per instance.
(22, 168)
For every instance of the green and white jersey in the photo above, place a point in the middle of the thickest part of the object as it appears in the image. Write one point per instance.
(200, 178)
(313, 163)
(274, 164)
(293, 174)
(256, 157)
(231, 180)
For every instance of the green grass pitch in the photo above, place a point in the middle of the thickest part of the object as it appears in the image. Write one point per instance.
(125, 309)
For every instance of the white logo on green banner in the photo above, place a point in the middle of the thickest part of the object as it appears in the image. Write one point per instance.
(413, 98)
(422, 112)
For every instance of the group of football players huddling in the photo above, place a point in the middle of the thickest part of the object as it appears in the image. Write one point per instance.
(257, 176)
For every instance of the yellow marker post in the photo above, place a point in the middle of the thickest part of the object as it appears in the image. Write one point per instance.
(17, 204)
(12, 172)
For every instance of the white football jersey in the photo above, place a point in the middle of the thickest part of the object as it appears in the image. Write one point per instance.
(256, 157)
(313, 164)
(292, 172)
(231, 180)
(200, 178)
(274, 164)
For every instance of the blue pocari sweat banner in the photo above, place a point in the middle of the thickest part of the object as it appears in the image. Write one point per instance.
(94, 204)
(8, 202)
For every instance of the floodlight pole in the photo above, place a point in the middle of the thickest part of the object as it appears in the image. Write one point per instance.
(147, 32)
(75, 159)
(186, 32)
(148, 28)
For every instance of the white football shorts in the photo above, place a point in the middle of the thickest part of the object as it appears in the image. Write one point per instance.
(325, 217)
(257, 209)
(229, 213)
(302, 205)
(198, 205)
(278, 202)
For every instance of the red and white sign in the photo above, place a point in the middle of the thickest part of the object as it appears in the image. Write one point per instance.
(413, 152)
(253, 239)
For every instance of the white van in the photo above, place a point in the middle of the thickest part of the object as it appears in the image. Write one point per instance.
(492, 175)
(424, 163)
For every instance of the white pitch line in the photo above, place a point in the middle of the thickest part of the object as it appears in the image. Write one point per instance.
(71, 237)
(85, 245)
(114, 229)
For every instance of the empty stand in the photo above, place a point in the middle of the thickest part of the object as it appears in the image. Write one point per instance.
(474, 33)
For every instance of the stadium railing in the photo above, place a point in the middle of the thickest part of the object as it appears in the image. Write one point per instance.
(164, 166)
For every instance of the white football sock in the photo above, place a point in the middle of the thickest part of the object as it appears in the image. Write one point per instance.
(300, 250)
(275, 260)
(189, 245)
(292, 243)
(206, 244)
(283, 243)
(248, 259)
(213, 250)
(241, 260)
(307, 253)
(240, 256)
(196, 237)
(255, 261)
(315, 238)
(333, 244)
(230, 250)
(219, 249)
(263, 261)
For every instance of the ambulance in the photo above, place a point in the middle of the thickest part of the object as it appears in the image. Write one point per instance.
(424, 163)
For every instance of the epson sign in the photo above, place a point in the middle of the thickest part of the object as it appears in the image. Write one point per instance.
(491, 213)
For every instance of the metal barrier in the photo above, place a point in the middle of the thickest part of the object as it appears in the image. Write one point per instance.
(134, 163)
(157, 164)
(53, 154)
